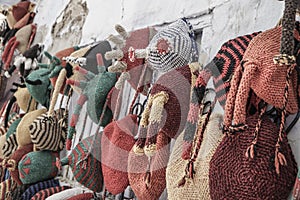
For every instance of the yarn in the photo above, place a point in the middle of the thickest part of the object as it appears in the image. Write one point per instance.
(35, 188)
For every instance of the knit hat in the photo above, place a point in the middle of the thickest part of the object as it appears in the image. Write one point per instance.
(8, 122)
(116, 143)
(49, 130)
(20, 9)
(16, 194)
(39, 86)
(147, 176)
(2, 142)
(37, 166)
(21, 41)
(95, 91)
(35, 188)
(171, 47)
(66, 194)
(43, 194)
(84, 196)
(11, 144)
(12, 163)
(23, 129)
(189, 179)
(84, 161)
(296, 190)
(6, 187)
(129, 57)
(167, 108)
(24, 99)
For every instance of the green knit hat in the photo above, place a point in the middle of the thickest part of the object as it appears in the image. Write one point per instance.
(37, 166)
(84, 161)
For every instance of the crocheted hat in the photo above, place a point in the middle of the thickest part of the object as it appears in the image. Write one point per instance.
(35, 188)
(37, 166)
(49, 130)
(95, 92)
(171, 47)
(43, 194)
(116, 143)
(11, 144)
(66, 194)
(6, 187)
(189, 180)
(12, 163)
(21, 41)
(39, 86)
(83, 196)
(167, 108)
(23, 129)
(130, 56)
(84, 161)
(148, 179)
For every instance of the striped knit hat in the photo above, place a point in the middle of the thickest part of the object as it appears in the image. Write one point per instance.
(43, 194)
(37, 166)
(116, 143)
(221, 68)
(84, 161)
(84, 196)
(6, 187)
(35, 188)
(39, 86)
(23, 129)
(12, 163)
(16, 194)
(167, 108)
(171, 47)
(66, 194)
(11, 141)
(95, 91)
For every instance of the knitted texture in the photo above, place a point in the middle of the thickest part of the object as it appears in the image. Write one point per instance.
(2, 142)
(4, 129)
(167, 106)
(39, 86)
(66, 194)
(49, 132)
(84, 161)
(23, 98)
(116, 143)
(6, 187)
(23, 129)
(225, 62)
(171, 47)
(296, 190)
(37, 166)
(43, 194)
(84, 196)
(234, 176)
(148, 180)
(11, 141)
(16, 194)
(196, 187)
(264, 77)
(33, 189)
(12, 163)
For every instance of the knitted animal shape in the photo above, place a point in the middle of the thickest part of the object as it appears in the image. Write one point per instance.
(26, 61)
(37, 166)
(116, 143)
(86, 58)
(6, 187)
(94, 92)
(171, 47)
(39, 86)
(35, 188)
(49, 130)
(21, 41)
(43, 194)
(130, 56)
(12, 163)
(23, 129)
(83, 196)
(11, 144)
(296, 190)
(167, 108)
(66, 194)
(189, 179)
(84, 161)
(57, 63)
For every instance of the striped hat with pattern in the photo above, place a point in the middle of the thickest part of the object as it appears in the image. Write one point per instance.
(6, 187)
(84, 161)
(43, 194)
(37, 166)
(16, 194)
(11, 144)
(171, 47)
(33, 189)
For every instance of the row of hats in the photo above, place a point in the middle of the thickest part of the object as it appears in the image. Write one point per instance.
(114, 157)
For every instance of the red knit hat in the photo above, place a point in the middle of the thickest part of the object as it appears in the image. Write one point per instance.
(116, 143)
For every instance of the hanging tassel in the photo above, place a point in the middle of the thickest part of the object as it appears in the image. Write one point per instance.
(279, 159)
(181, 183)
(251, 151)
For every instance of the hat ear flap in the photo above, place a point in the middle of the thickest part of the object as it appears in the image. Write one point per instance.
(121, 30)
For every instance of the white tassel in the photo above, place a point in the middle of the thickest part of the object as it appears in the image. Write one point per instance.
(121, 31)
(119, 66)
(119, 42)
(114, 54)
